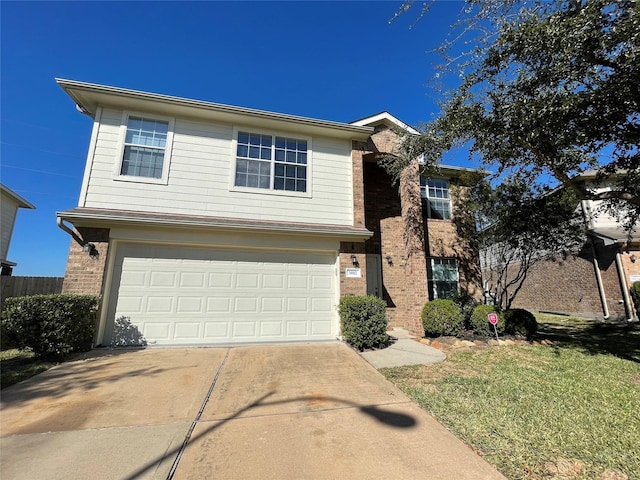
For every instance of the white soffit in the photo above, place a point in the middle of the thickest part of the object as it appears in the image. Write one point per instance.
(89, 97)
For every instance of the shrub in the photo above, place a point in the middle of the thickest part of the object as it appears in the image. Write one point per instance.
(466, 303)
(363, 320)
(51, 326)
(518, 321)
(479, 322)
(442, 317)
(635, 294)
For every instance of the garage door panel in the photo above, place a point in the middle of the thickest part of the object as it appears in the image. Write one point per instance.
(187, 331)
(154, 331)
(220, 279)
(218, 305)
(196, 295)
(216, 331)
(271, 329)
(189, 305)
(192, 280)
(162, 279)
(297, 328)
(272, 305)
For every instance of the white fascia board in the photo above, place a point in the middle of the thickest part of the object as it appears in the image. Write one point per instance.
(110, 218)
(21, 202)
(89, 96)
(387, 118)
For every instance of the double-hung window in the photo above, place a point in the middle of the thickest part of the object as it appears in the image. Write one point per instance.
(442, 278)
(271, 162)
(146, 148)
(436, 198)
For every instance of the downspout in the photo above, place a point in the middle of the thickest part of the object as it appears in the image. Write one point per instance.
(596, 267)
(623, 285)
(74, 235)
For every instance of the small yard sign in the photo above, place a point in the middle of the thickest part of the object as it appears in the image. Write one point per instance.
(493, 320)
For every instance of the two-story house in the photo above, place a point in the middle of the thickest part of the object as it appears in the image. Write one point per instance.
(596, 281)
(10, 202)
(202, 223)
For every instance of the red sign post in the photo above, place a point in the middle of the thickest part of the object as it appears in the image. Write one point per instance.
(493, 320)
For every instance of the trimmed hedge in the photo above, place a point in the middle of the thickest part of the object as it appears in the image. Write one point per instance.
(363, 321)
(635, 295)
(52, 326)
(442, 317)
(479, 322)
(519, 321)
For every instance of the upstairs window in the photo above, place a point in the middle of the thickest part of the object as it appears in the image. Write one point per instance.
(145, 148)
(442, 276)
(271, 162)
(436, 199)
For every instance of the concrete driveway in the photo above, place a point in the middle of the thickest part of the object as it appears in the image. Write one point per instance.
(303, 411)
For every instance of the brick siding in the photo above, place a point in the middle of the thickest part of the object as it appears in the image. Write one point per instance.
(84, 274)
(569, 286)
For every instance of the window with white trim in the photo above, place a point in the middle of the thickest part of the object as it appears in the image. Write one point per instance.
(442, 276)
(145, 148)
(436, 198)
(271, 162)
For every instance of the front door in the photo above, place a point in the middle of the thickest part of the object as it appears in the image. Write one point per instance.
(374, 275)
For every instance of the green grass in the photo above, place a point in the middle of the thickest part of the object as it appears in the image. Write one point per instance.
(569, 409)
(16, 366)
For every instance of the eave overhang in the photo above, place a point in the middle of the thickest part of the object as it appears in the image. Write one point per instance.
(615, 236)
(89, 96)
(106, 218)
(20, 202)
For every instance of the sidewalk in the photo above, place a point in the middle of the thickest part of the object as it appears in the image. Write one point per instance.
(404, 351)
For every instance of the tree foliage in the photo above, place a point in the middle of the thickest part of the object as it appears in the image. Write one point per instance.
(517, 227)
(550, 91)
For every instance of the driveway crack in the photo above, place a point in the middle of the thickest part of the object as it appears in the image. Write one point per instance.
(187, 437)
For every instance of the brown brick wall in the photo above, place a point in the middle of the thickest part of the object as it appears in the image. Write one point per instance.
(569, 286)
(352, 286)
(85, 272)
(404, 279)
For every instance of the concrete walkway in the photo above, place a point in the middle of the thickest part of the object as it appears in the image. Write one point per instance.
(303, 411)
(405, 350)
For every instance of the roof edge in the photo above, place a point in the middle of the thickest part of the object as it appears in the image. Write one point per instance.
(22, 203)
(71, 86)
(186, 221)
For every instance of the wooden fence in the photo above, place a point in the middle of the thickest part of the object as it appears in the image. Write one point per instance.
(11, 286)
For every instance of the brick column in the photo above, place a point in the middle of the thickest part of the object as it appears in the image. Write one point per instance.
(85, 272)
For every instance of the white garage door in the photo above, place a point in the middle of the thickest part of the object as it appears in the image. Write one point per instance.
(175, 295)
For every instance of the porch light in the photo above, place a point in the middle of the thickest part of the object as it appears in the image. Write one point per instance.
(389, 259)
(354, 260)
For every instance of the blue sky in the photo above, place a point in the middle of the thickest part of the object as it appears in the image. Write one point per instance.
(330, 60)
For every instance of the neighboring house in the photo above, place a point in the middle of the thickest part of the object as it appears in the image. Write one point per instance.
(9, 205)
(202, 223)
(596, 281)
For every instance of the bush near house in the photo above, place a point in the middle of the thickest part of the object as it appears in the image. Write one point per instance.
(466, 303)
(52, 326)
(442, 317)
(363, 321)
(518, 321)
(635, 295)
(479, 321)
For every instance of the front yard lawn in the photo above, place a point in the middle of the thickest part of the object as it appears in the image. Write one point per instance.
(570, 410)
(16, 366)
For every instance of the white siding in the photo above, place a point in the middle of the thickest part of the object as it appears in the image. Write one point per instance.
(200, 179)
(9, 210)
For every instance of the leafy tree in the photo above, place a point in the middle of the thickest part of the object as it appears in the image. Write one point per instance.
(550, 91)
(517, 227)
